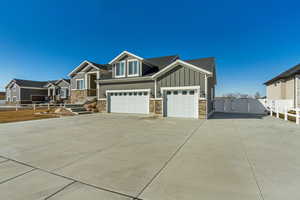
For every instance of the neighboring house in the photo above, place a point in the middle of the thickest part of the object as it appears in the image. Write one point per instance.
(2, 95)
(20, 91)
(59, 91)
(285, 86)
(83, 81)
(2, 98)
(165, 85)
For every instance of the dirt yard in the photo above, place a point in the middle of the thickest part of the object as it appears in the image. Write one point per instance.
(23, 115)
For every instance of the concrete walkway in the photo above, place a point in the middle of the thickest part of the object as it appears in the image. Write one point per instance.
(125, 157)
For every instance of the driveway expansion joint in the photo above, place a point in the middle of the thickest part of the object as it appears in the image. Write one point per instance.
(17, 176)
(60, 190)
(170, 159)
(65, 177)
(250, 164)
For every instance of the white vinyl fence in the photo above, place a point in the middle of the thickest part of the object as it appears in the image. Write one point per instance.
(30, 106)
(243, 105)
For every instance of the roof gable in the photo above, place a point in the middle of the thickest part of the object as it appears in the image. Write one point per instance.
(183, 63)
(123, 54)
(290, 72)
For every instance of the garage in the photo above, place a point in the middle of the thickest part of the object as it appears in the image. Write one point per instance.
(129, 101)
(181, 102)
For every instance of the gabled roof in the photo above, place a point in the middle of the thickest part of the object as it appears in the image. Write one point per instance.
(92, 64)
(161, 62)
(125, 53)
(30, 83)
(290, 72)
(196, 66)
(63, 79)
(203, 63)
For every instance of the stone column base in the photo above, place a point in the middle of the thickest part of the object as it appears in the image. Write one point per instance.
(102, 105)
(202, 109)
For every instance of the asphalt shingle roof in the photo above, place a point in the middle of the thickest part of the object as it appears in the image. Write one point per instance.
(204, 63)
(292, 71)
(161, 62)
(29, 83)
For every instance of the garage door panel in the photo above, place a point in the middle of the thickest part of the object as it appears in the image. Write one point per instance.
(129, 102)
(181, 103)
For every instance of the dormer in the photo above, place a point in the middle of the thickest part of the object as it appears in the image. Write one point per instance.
(126, 64)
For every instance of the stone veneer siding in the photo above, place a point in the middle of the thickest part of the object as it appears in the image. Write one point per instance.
(102, 105)
(202, 109)
(78, 96)
(155, 106)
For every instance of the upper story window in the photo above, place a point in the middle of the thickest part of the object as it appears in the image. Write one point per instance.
(133, 67)
(79, 84)
(120, 69)
(14, 88)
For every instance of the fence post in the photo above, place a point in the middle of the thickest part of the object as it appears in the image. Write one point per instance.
(34, 106)
(277, 111)
(271, 110)
(248, 106)
(286, 114)
(64, 104)
(16, 107)
(297, 116)
(48, 106)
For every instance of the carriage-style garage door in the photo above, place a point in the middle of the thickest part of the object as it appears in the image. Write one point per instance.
(181, 103)
(129, 101)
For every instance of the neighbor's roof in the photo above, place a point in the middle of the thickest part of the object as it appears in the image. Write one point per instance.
(204, 63)
(292, 71)
(161, 62)
(29, 83)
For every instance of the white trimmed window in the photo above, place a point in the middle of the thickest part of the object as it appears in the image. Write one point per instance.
(79, 84)
(63, 92)
(120, 69)
(133, 67)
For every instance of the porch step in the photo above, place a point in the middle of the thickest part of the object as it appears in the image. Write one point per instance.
(77, 109)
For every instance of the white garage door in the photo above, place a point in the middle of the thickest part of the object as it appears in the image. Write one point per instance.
(129, 102)
(181, 103)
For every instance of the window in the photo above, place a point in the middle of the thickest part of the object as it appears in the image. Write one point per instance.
(175, 92)
(63, 92)
(80, 84)
(212, 94)
(120, 69)
(133, 67)
(14, 88)
(184, 92)
(192, 92)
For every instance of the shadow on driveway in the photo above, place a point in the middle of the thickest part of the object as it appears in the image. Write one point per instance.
(219, 115)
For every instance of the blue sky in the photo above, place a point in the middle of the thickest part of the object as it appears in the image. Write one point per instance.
(251, 40)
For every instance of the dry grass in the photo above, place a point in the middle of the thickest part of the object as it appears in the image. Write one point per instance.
(24, 115)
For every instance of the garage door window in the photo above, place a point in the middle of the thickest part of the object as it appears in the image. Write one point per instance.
(192, 92)
(145, 93)
(184, 92)
(175, 92)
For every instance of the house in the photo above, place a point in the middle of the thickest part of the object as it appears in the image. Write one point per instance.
(2, 96)
(166, 86)
(20, 91)
(285, 86)
(59, 91)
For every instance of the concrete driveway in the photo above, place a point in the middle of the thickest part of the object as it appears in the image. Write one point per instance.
(118, 157)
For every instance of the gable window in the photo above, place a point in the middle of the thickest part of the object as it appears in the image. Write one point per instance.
(79, 84)
(133, 67)
(120, 69)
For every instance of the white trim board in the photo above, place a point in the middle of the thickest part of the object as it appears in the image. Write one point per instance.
(84, 62)
(180, 88)
(130, 90)
(183, 63)
(124, 53)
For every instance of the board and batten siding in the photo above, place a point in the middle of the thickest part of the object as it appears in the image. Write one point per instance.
(77, 76)
(11, 93)
(181, 76)
(298, 90)
(103, 87)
